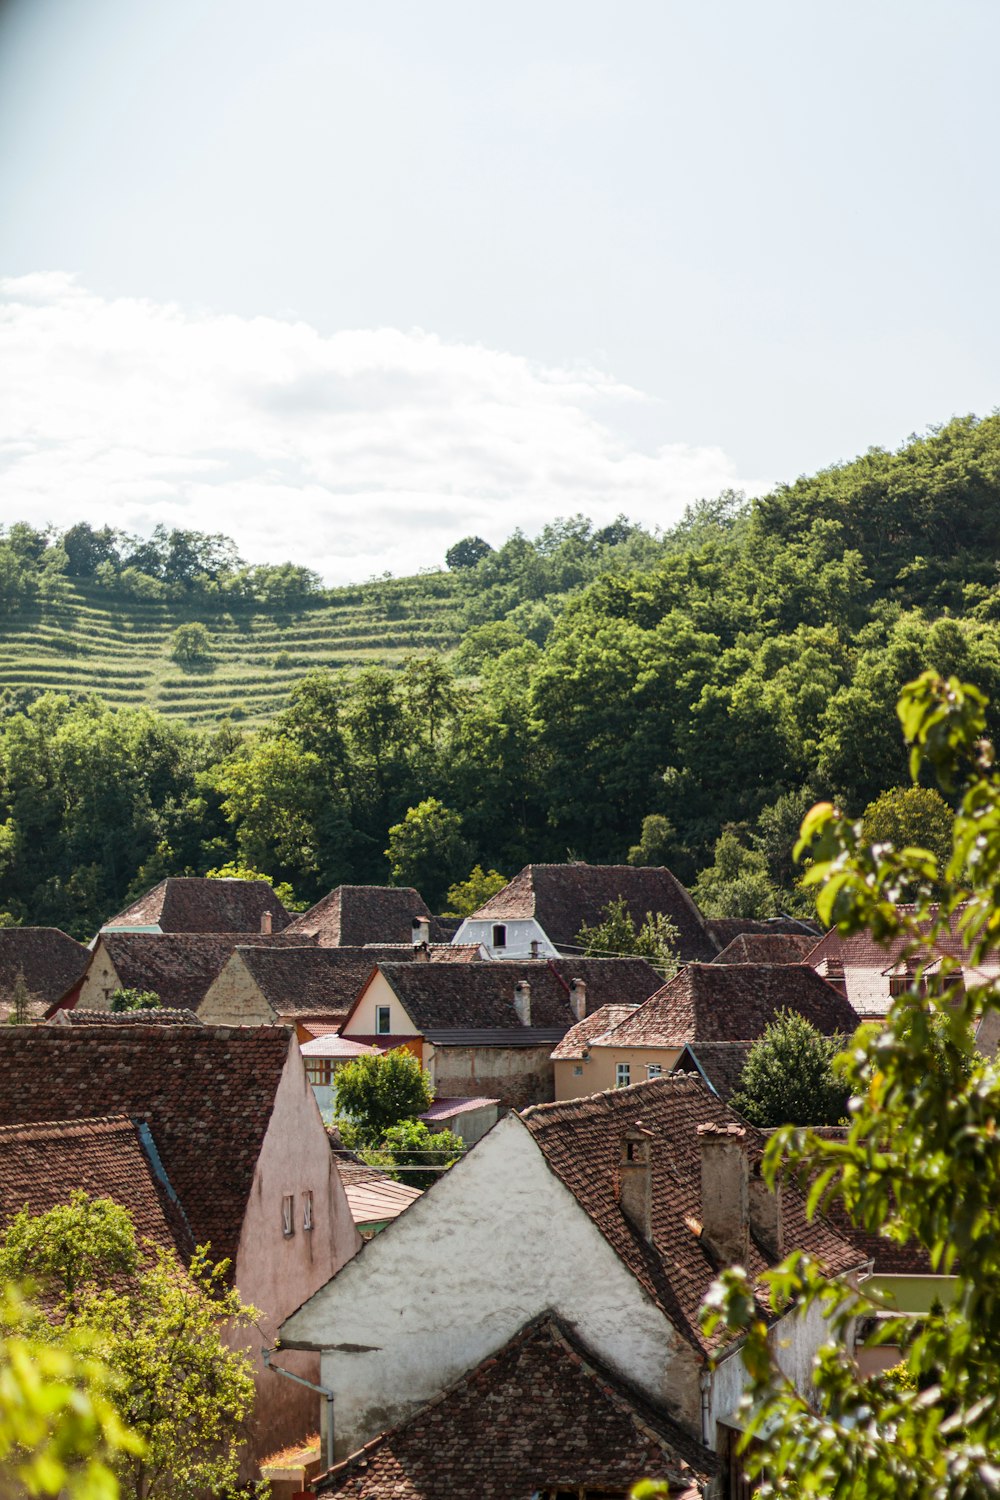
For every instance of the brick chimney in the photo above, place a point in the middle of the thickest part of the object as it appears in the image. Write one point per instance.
(265, 924)
(421, 953)
(766, 1215)
(578, 998)
(725, 1191)
(421, 930)
(635, 1178)
(522, 1001)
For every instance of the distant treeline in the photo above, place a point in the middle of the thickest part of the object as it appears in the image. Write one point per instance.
(683, 696)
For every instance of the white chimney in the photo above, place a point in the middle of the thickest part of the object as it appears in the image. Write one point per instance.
(635, 1178)
(421, 930)
(725, 1191)
(265, 924)
(522, 1001)
(578, 998)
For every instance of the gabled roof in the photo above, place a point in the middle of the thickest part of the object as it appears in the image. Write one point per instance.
(206, 1092)
(541, 1413)
(372, 1195)
(352, 915)
(581, 1141)
(191, 903)
(579, 1037)
(722, 930)
(732, 1003)
(767, 948)
(50, 960)
(161, 1017)
(43, 1164)
(177, 966)
(719, 1063)
(564, 898)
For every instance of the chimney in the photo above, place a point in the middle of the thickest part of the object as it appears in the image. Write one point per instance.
(725, 1191)
(421, 953)
(578, 998)
(766, 1216)
(265, 924)
(635, 1179)
(421, 930)
(535, 948)
(522, 1001)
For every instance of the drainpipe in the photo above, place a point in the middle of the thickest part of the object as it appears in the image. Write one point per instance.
(705, 1386)
(323, 1390)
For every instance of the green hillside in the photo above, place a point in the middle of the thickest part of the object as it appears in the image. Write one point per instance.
(91, 641)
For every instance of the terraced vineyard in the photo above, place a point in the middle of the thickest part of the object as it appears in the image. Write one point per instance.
(90, 641)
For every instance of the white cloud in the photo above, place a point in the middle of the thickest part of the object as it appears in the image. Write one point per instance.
(363, 451)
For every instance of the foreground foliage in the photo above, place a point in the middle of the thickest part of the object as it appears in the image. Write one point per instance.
(920, 1162)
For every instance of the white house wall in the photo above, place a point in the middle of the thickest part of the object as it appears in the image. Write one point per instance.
(520, 936)
(495, 1242)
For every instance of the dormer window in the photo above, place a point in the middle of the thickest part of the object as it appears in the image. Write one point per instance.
(499, 935)
(288, 1215)
(382, 1023)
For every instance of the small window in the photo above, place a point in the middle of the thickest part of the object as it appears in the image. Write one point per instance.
(499, 935)
(288, 1215)
(654, 1070)
(382, 1027)
(319, 1071)
(578, 1071)
(622, 1075)
(307, 1210)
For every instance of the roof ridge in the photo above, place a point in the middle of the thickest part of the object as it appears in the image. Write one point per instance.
(604, 1095)
(64, 1127)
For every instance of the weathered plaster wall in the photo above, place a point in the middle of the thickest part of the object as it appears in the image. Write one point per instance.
(794, 1341)
(233, 998)
(495, 1242)
(276, 1272)
(379, 992)
(517, 1076)
(600, 1071)
(520, 935)
(99, 983)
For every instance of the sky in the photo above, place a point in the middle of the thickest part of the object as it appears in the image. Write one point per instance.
(351, 281)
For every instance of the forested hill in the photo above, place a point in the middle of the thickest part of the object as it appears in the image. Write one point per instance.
(549, 696)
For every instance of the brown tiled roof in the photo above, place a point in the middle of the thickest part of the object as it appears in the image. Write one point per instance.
(43, 1164)
(580, 1036)
(159, 1017)
(372, 1195)
(177, 966)
(50, 960)
(564, 898)
(190, 903)
(767, 948)
(581, 1141)
(438, 953)
(722, 930)
(207, 1093)
(541, 1413)
(314, 981)
(352, 915)
(719, 1063)
(733, 1003)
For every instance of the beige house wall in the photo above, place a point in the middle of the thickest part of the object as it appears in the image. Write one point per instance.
(234, 999)
(599, 1069)
(100, 981)
(379, 992)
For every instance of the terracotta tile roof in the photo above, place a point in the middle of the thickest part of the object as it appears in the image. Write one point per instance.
(564, 898)
(541, 1413)
(373, 1196)
(719, 1063)
(177, 966)
(43, 1164)
(767, 948)
(352, 915)
(581, 1141)
(450, 1109)
(207, 1093)
(161, 1017)
(732, 1003)
(579, 1037)
(331, 1044)
(50, 960)
(190, 903)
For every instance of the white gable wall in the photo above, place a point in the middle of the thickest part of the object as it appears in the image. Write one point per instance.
(497, 1241)
(363, 1022)
(520, 933)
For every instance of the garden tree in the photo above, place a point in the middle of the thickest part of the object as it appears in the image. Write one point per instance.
(467, 552)
(427, 849)
(20, 995)
(467, 896)
(616, 936)
(235, 871)
(378, 1091)
(415, 1155)
(177, 1385)
(131, 999)
(789, 1076)
(191, 644)
(919, 1161)
(737, 884)
(655, 841)
(910, 815)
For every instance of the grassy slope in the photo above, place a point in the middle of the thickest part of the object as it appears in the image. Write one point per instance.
(93, 642)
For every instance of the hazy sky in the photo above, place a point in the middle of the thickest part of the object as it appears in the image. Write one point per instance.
(350, 281)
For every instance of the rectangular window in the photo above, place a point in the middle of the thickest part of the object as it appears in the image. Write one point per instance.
(654, 1070)
(499, 935)
(622, 1075)
(319, 1071)
(288, 1215)
(578, 1071)
(307, 1210)
(382, 1020)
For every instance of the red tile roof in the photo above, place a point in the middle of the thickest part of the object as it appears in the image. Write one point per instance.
(207, 1093)
(373, 1196)
(50, 960)
(581, 1141)
(564, 898)
(43, 1164)
(539, 1414)
(732, 1003)
(450, 1109)
(579, 1037)
(767, 948)
(352, 915)
(189, 903)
